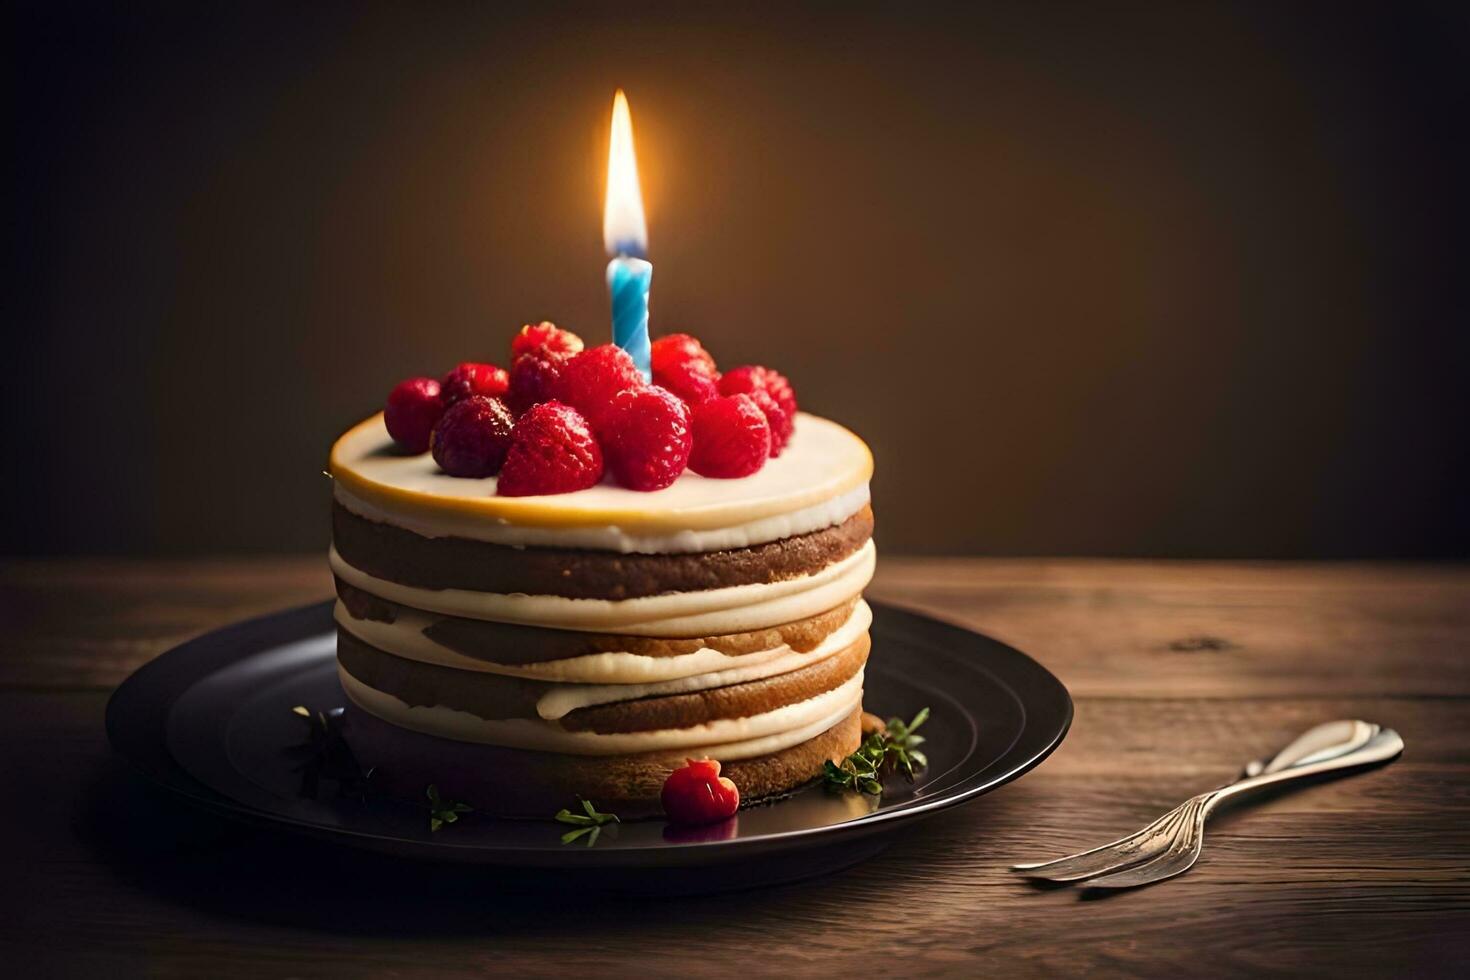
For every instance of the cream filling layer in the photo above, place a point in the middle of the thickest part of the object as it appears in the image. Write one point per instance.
(610, 537)
(724, 738)
(706, 612)
(618, 676)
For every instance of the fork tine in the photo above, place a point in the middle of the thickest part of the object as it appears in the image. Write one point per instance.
(1151, 828)
(1123, 853)
(1178, 858)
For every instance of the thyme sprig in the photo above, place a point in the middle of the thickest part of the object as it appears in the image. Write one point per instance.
(589, 823)
(442, 811)
(895, 749)
(316, 719)
(325, 756)
(903, 744)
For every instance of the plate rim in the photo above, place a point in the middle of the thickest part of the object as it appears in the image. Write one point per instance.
(148, 694)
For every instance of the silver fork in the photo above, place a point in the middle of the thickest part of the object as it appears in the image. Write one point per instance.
(1171, 844)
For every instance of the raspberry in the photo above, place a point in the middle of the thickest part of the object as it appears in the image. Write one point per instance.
(689, 380)
(472, 437)
(544, 336)
(698, 794)
(413, 408)
(474, 379)
(591, 379)
(772, 392)
(533, 380)
(648, 439)
(680, 348)
(552, 450)
(731, 437)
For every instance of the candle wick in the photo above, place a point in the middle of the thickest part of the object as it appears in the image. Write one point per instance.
(630, 250)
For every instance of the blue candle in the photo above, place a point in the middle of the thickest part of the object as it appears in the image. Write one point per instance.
(628, 280)
(625, 233)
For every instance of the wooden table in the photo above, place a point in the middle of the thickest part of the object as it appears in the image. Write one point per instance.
(1180, 671)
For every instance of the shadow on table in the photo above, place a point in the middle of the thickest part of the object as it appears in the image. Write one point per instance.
(158, 844)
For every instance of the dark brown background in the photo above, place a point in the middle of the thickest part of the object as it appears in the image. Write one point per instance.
(1103, 279)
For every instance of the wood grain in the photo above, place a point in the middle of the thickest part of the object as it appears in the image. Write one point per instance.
(1181, 671)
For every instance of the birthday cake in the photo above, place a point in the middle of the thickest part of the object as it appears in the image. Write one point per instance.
(561, 581)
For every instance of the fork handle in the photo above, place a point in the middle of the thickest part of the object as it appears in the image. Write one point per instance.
(1321, 742)
(1380, 748)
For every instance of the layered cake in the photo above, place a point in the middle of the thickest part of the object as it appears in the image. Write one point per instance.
(522, 650)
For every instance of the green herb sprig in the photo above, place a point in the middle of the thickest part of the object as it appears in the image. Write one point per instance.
(903, 745)
(316, 719)
(896, 749)
(325, 757)
(589, 824)
(442, 811)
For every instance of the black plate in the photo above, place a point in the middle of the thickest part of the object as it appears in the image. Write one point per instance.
(211, 721)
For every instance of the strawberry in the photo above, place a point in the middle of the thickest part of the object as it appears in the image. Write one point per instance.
(731, 437)
(697, 794)
(544, 337)
(474, 379)
(413, 408)
(472, 437)
(589, 381)
(772, 392)
(552, 450)
(647, 438)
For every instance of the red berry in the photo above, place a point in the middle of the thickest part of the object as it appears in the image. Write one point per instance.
(647, 439)
(591, 379)
(472, 437)
(552, 450)
(731, 437)
(474, 379)
(544, 336)
(680, 348)
(413, 408)
(689, 380)
(698, 794)
(533, 380)
(772, 392)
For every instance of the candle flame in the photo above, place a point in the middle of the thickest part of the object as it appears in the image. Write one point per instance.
(624, 230)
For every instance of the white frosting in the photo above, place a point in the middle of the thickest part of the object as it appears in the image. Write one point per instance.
(819, 480)
(405, 639)
(828, 513)
(706, 612)
(723, 738)
(616, 676)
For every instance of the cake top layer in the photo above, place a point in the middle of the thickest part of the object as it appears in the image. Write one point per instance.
(820, 478)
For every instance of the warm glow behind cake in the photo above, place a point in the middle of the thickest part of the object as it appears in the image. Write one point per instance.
(522, 652)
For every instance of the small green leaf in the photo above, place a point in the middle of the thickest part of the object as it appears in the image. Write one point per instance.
(590, 833)
(588, 822)
(892, 750)
(443, 811)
